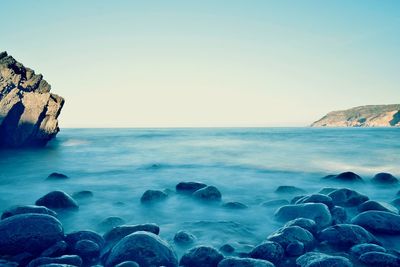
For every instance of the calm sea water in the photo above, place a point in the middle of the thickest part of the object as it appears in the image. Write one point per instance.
(246, 164)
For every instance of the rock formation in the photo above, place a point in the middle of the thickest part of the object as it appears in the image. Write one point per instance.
(28, 111)
(364, 116)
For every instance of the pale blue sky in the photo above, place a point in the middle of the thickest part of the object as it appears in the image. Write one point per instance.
(207, 63)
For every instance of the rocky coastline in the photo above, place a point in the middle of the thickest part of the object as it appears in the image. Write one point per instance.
(331, 227)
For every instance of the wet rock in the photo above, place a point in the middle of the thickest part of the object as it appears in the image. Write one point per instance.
(201, 256)
(327, 190)
(316, 259)
(57, 200)
(339, 215)
(88, 250)
(287, 235)
(379, 259)
(109, 223)
(317, 212)
(244, 262)
(153, 196)
(345, 177)
(268, 250)
(289, 189)
(84, 194)
(380, 222)
(304, 223)
(189, 187)
(344, 236)
(73, 260)
(23, 209)
(295, 249)
(145, 248)
(228, 249)
(209, 193)
(275, 202)
(32, 233)
(75, 237)
(316, 198)
(57, 176)
(347, 198)
(384, 178)
(184, 238)
(56, 250)
(375, 205)
(234, 205)
(127, 264)
(294, 200)
(360, 249)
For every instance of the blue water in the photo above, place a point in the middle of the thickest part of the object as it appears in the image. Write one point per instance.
(246, 164)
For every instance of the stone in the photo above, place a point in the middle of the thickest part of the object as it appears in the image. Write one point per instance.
(304, 223)
(289, 189)
(73, 260)
(144, 248)
(375, 205)
(226, 248)
(28, 111)
(375, 258)
(244, 262)
(327, 190)
(286, 235)
(184, 238)
(57, 200)
(294, 200)
(345, 177)
(201, 256)
(384, 178)
(209, 193)
(189, 187)
(295, 248)
(127, 264)
(23, 209)
(380, 222)
(347, 198)
(275, 202)
(360, 249)
(234, 205)
(317, 212)
(339, 215)
(56, 250)
(109, 223)
(84, 194)
(151, 196)
(74, 237)
(268, 250)
(57, 176)
(316, 198)
(88, 250)
(32, 233)
(317, 259)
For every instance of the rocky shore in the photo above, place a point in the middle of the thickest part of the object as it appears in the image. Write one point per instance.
(331, 227)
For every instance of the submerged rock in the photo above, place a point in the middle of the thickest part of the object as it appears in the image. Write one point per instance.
(57, 176)
(289, 189)
(317, 259)
(347, 198)
(152, 196)
(375, 258)
(234, 205)
(28, 111)
(384, 178)
(189, 187)
(339, 215)
(380, 222)
(210, 193)
(184, 238)
(57, 200)
(316, 198)
(291, 234)
(15, 210)
(345, 177)
(244, 262)
(269, 250)
(201, 256)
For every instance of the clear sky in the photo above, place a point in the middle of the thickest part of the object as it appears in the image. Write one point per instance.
(207, 63)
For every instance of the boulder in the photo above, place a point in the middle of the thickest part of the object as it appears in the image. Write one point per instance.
(317, 259)
(56, 250)
(345, 177)
(28, 111)
(275, 202)
(75, 237)
(317, 212)
(201, 256)
(32, 233)
(234, 205)
(380, 222)
(384, 178)
(375, 205)
(57, 200)
(268, 250)
(189, 187)
(375, 258)
(287, 235)
(57, 176)
(294, 249)
(289, 189)
(15, 210)
(150, 196)
(88, 250)
(73, 260)
(209, 193)
(339, 215)
(347, 198)
(84, 194)
(227, 248)
(184, 238)
(304, 223)
(360, 249)
(316, 198)
(244, 262)
(109, 223)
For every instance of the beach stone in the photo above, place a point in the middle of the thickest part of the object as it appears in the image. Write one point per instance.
(275, 202)
(344, 236)
(316, 198)
(82, 194)
(56, 250)
(317, 259)
(32, 233)
(184, 238)
(347, 198)
(304, 223)
(87, 250)
(201, 256)
(384, 178)
(23, 209)
(57, 176)
(295, 249)
(327, 190)
(375, 205)
(286, 235)
(74, 237)
(210, 193)
(73, 260)
(147, 249)
(127, 264)
(189, 187)
(294, 200)
(379, 259)
(244, 262)
(317, 212)
(234, 205)
(339, 215)
(380, 222)
(268, 250)
(150, 196)
(57, 200)
(345, 177)
(109, 223)
(289, 189)
(226, 248)
(360, 249)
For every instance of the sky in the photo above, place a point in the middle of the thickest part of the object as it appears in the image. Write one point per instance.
(208, 63)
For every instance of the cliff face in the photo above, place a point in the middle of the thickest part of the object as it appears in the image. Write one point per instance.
(28, 111)
(364, 116)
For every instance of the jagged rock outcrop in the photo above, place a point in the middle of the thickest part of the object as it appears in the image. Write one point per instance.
(364, 116)
(28, 111)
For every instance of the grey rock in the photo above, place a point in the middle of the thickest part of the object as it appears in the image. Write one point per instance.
(384, 178)
(347, 198)
(201, 256)
(209, 193)
(286, 235)
(189, 187)
(379, 259)
(184, 238)
(57, 200)
(268, 250)
(360, 249)
(88, 250)
(317, 259)
(56, 250)
(23, 209)
(345, 177)
(289, 189)
(73, 260)
(150, 196)
(28, 111)
(375, 205)
(380, 222)
(295, 248)
(244, 262)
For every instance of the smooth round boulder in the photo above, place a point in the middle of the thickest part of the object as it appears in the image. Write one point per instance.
(345, 177)
(57, 200)
(189, 187)
(147, 249)
(268, 250)
(227, 248)
(184, 238)
(84, 194)
(244, 262)
(360, 249)
(304, 223)
(339, 215)
(344, 236)
(22, 209)
(151, 196)
(286, 235)
(234, 206)
(57, 176)
(327, 190)
(72, 260)
(209, 193)
(347, 198)
(317, 212)
(32, 233)
(74, 237)
(201, 256)
(295, 249)
(88, 250)
(289, 189)
(375, 205)
(384, 178)
(317, 259)
(380, 222)
(316, 198)
(379, 259)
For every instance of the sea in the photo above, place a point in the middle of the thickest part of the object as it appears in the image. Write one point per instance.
(245, 164)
